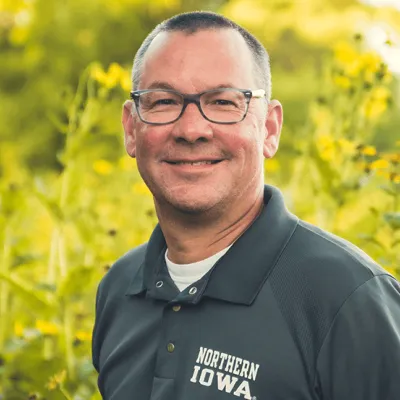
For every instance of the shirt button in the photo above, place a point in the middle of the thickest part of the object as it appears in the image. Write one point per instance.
(176, 308)
(170, 347)
(193, 290)
(159, 284)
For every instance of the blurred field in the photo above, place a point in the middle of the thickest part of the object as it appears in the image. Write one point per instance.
(72, 202)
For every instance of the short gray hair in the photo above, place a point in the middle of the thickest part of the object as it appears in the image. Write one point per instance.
(192, 22)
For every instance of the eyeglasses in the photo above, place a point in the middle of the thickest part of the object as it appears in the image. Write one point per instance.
(221, 106)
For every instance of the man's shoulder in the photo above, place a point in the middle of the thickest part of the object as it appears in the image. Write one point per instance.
(333, 252)
(316, 275)
(323, 267)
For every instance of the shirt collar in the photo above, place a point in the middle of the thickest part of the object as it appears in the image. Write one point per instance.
(239, 275)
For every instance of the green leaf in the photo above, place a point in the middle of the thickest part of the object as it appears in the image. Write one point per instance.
(371, 239)
(46, 287)
(388, 190)
(328, 175)
(61, 126)
(24, 260)
(26, 292)
(374, 211)
(51, 206)
(393, 219)
(76, 282)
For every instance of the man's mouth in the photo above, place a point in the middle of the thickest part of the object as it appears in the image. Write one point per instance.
(194, 162)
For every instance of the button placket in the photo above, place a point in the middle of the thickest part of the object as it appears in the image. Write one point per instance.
(169, 350)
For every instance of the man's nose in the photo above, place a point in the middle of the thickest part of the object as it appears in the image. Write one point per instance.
(192, 126)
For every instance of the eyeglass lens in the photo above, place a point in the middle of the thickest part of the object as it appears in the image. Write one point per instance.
(160, 106)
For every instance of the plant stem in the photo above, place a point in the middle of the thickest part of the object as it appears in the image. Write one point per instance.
(63, 269)
(65, 393)
(4, 288)
(51, 280)
(68, 315)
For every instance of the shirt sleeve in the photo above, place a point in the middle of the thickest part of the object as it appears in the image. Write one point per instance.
(360, 356)
(95, 350)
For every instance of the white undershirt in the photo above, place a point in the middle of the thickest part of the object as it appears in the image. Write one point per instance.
(185, 274)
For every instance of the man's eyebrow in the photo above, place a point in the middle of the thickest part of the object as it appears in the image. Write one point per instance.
(167, 86)
(161, 85)
(225, 86)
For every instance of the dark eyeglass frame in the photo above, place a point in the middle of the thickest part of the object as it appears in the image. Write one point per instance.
(195, 99)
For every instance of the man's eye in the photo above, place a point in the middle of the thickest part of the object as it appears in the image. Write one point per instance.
(222, 102)
(164, 102)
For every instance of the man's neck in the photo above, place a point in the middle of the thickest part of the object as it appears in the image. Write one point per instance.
(190, 242)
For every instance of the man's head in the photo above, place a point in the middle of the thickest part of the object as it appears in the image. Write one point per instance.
(193, 22)
(193, 53)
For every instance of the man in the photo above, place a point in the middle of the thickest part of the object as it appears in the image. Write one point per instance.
(233, 296)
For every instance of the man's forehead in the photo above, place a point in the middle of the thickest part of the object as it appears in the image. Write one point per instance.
(226, 36)
(213, 53)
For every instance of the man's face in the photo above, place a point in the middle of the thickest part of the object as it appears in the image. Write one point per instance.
(191, 64)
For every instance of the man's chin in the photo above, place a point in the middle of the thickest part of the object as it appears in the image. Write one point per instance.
(190, 203)
(192, 207)
(193, 200)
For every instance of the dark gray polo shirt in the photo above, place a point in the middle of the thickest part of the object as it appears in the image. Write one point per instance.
(290, 312)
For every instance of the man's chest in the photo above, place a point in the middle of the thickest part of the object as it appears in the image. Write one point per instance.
(213, 350)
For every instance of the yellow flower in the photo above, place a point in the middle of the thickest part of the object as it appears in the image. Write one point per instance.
(398, 143)
(83, 336)
(369, 151)
(326, 147)
(381, 93)
(141, 189)
(375, 106)
(379, 164)
(346, 146)
(116, 75)
(393, 157)
(51, 384)
(46, 327)
(19, 35)
(396, 178)
(56, 380)
(127, 163)
(345, 53)
(353, 69)
(325, 140)
(272, 165)
(18, 329)
(125, 80)
(102, 167)
(342, 82)
(371, 62)
(383, 173)
(348, 58)
(113, 76)
(97, 73)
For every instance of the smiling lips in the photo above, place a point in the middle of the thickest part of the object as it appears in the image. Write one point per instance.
(205, 162)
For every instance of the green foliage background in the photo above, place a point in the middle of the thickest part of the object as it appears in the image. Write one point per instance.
(72, 202)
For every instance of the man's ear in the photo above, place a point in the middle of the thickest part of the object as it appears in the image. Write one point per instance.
(128, 122)
(273, 126)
